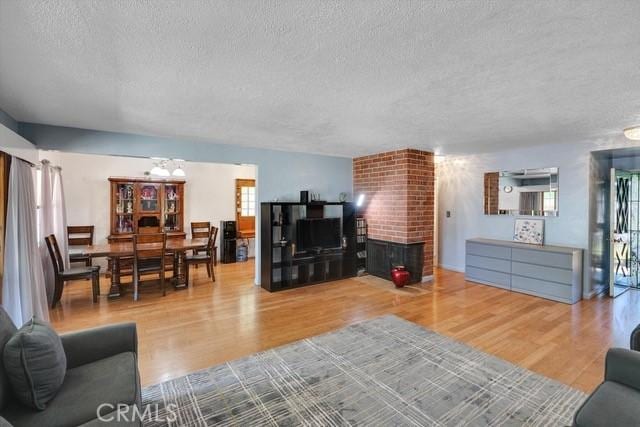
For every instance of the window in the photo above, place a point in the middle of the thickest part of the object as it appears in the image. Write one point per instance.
(247, 201)
(549, 201)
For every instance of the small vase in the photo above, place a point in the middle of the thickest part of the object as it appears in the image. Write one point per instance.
(400, 276)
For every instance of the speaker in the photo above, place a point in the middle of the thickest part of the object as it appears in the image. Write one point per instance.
(304, 197)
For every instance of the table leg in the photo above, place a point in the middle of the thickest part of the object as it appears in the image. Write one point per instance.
(174, 279)
(114, 291)
(180, 265)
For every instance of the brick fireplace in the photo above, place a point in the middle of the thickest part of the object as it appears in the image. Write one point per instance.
(399, 202)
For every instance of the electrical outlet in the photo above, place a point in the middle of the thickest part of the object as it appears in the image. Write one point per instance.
(448, 214)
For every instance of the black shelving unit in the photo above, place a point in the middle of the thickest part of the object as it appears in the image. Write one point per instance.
(361, 245)
(283, 266)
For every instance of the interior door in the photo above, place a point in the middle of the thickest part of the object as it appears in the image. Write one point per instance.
(246, 207)
(620, 233)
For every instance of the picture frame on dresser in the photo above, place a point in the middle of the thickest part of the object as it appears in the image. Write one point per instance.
(530, 231)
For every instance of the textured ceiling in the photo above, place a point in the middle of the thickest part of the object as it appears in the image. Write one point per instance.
(344, 78)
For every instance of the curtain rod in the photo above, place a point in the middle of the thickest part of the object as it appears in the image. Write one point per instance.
(26, 161)
(45, 162)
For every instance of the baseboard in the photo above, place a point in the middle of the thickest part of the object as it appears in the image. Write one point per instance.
(451, 267)
(427, 278)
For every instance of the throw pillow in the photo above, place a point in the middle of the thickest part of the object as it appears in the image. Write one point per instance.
(35, 363)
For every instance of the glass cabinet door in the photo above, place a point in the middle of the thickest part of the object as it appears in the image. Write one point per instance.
(124, 199)
(171, 207)
(149, 196)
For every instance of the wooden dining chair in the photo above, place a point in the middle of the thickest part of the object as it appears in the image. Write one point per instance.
(149, 252)
(203, 258)
(63, 275)
(80, 235)
(200, 230)
(214, 236)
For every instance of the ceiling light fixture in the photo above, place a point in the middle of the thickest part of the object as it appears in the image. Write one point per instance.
(156, 170)
(178, 171)
(632, 133)
(160, 169)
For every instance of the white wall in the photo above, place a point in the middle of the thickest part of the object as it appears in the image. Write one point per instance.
(15, 145)
(209, 191)
(460, 191)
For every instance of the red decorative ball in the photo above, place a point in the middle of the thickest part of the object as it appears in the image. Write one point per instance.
(400, 276)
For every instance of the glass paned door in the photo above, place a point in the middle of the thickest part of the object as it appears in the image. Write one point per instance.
(620, 240)
(149, 198)
(171, 208)
(246, 207)
(124, 208)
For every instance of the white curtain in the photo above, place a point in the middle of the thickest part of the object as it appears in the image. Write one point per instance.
(52, 219)
(23, 288)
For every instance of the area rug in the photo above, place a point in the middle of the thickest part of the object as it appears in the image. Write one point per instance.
(385, 371)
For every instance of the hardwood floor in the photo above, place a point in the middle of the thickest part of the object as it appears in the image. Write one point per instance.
(208, 324)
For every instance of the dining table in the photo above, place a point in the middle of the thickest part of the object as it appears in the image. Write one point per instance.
(117, 250)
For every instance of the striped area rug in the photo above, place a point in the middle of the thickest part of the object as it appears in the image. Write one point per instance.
(385, 371)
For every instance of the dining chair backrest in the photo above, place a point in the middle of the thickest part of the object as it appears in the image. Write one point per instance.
(200, 230)
(150, 246)
(80, 235)
(211, 244)
(54, 253)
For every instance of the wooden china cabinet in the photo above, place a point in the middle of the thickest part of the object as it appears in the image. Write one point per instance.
(146, 205)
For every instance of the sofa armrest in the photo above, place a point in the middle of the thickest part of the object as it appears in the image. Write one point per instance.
(94, 344)
(623, 366)
(635, 339)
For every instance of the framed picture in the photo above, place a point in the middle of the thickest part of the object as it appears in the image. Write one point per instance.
(529, 231)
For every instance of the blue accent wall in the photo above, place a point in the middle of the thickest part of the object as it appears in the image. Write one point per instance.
(280, 174)
(8, 121)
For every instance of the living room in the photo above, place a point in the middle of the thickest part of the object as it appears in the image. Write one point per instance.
(443, 226)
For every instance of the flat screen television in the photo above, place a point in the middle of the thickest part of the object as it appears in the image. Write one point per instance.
(318, 233)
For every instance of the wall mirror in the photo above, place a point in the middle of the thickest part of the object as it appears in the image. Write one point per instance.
(531, 192)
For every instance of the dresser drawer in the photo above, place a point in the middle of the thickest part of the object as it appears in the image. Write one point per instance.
(486, 263)
(540, 288)
(491, 251)
(548, 274)
(493, 278)
(550, 259)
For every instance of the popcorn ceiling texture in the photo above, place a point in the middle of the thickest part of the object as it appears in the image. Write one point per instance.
(399, 198)
(335, 77)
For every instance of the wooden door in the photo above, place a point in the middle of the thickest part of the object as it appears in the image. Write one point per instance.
(246, 207)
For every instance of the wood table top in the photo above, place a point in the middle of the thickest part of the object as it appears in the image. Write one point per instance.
(120, 249)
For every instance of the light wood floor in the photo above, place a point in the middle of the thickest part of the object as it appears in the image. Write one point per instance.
(208, 324)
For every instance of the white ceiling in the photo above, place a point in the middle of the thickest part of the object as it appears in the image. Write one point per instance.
(343, 77)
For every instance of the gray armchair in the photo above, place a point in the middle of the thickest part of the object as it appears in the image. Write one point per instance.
(102, 369)
(616, 402)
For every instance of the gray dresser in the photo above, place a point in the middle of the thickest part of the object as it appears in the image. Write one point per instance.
(552, 272)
